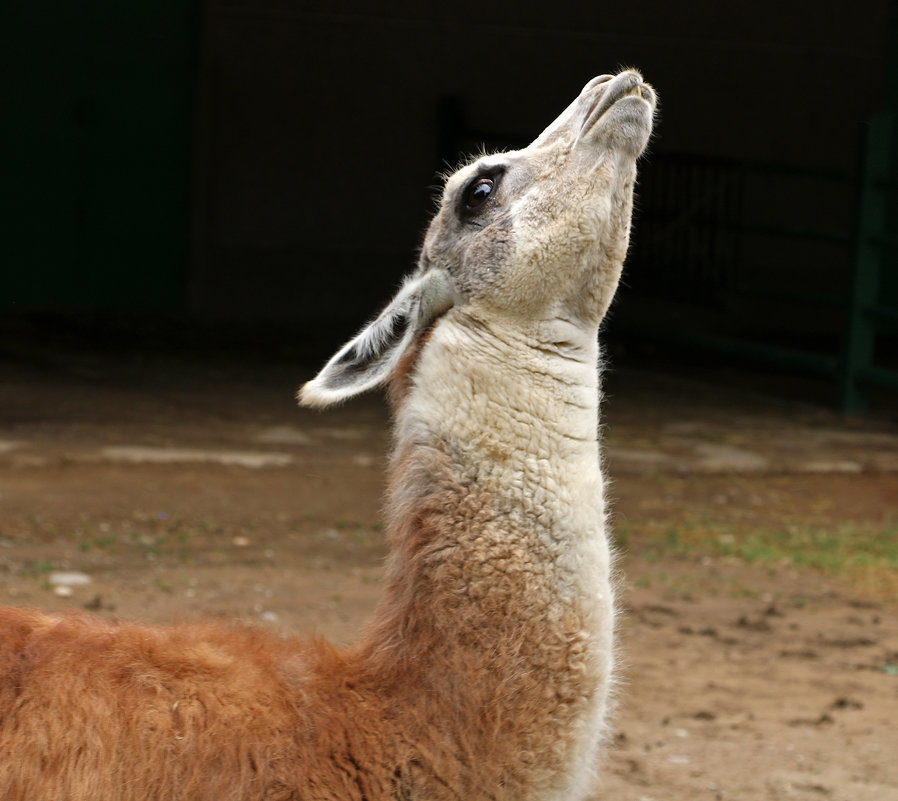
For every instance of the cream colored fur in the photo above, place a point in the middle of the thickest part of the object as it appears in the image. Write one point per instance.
(525, 425)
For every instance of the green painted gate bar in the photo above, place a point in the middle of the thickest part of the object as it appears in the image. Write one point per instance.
(874, 248)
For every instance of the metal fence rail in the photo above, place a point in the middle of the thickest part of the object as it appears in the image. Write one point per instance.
(691, 246)
(874, 248)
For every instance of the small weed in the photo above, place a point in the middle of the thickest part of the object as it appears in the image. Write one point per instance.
(150, 543)
(890, 669)
(102, 543)
(42, 567)
(184, 535)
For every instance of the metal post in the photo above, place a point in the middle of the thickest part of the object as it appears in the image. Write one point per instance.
(869, 238)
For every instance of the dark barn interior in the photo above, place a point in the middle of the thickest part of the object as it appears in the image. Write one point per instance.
(228, 172)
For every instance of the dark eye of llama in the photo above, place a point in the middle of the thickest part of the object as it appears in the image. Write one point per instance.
(479, 192)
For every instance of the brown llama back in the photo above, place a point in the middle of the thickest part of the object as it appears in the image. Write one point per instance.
(98, 710)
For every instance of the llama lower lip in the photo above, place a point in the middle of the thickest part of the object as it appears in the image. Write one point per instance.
(620, 88)
(639, 90)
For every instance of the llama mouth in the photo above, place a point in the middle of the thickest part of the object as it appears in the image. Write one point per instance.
(622, 87)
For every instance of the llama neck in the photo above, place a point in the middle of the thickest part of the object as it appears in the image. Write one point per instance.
(498, 602)
(512, 414)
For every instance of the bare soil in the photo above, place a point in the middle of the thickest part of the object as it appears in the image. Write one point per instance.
(200, 489)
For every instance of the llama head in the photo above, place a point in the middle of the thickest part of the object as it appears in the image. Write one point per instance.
(522, 237)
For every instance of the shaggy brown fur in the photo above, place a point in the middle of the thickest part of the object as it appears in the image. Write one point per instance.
(437, 699)
(93, 710)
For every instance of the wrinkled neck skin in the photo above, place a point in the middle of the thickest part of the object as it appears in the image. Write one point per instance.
(498, 610)
(496, 398)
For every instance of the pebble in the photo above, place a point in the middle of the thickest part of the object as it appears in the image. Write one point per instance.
(71, 578)
(283, 435)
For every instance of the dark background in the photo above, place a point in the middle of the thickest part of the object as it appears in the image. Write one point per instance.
(238, 172)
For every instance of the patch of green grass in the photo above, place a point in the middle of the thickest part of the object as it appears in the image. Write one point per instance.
(863, 552)
(184, 535)
(681, 589)
(832, 551)
(103, 543)
(741, 591)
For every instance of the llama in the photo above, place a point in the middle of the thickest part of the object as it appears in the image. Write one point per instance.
(485, 672)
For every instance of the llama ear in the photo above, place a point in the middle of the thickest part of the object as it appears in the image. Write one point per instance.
(369, 359)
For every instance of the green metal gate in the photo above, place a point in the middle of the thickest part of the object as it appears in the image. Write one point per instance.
(874, 251)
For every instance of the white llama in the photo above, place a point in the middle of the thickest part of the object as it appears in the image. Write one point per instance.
(485, 672)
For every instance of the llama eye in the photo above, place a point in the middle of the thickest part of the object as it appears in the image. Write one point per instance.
(479, 192)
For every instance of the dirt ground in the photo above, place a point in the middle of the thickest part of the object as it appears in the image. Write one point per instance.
(197, 489)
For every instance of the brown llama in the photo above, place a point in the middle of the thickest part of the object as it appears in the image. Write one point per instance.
(485, 673)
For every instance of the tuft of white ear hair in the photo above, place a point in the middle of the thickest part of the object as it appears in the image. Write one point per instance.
(368, 359)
